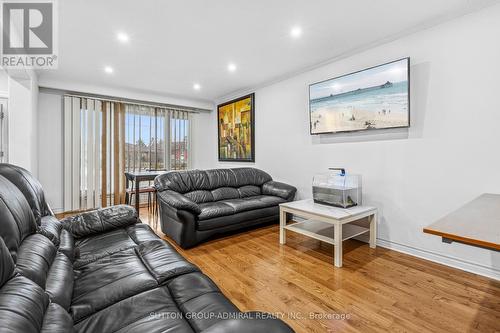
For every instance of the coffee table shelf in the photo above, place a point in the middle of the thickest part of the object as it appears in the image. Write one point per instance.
(324, 231)
(328, 224)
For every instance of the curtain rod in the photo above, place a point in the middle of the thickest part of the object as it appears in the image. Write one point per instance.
(125, 100)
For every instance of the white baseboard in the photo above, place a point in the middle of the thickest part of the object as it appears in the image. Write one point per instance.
(441, 259)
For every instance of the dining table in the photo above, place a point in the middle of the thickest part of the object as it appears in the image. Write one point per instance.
(136, 177)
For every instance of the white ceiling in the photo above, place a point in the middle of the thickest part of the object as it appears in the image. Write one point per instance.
(175, 43)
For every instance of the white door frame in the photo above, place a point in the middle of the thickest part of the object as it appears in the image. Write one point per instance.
(4, 130)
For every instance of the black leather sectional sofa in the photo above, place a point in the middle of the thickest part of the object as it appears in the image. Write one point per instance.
(101, 271)
(198, 204)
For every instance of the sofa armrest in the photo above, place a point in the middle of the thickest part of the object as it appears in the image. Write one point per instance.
(51, 228)
(278, 189)
(250, 322)
(178, 201)
(100, 220)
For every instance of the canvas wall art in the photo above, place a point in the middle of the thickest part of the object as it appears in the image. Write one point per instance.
(236, 129)
(374, 98)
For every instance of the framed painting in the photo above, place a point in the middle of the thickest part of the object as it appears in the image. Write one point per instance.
(236, 123)
(370, 99)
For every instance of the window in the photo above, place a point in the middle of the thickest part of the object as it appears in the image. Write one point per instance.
(104, 139)
(156, 139)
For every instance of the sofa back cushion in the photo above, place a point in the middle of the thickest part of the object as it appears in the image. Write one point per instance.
(16, 218)
(6, 263)
(225, 193)
(24, 305)
(200, 196)
(249, 191)
(214, 185)
(29, 186)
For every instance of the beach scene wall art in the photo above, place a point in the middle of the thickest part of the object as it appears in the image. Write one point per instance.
(236, 129)
(374, 98)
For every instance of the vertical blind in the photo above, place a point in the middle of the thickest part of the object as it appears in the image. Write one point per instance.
(104, 139)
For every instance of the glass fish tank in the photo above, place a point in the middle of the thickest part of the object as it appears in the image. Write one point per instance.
(337, 188)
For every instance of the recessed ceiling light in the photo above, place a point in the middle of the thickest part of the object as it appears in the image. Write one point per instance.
(231, 67)
(108, 69)
(196, 86)
(122, 37)
(296, 32)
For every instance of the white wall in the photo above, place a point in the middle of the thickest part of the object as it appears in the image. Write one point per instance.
(23, 119)
(448, 156)
(22, 94)
(4, 84)
(50, 141)
(50, 137)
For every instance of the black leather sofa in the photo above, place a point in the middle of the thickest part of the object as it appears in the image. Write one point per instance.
(101, 271)
(198, 204)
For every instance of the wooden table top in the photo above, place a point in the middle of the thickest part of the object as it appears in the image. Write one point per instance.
(476, 223)
(143, 175)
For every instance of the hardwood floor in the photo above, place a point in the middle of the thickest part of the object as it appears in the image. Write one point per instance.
(377, 290)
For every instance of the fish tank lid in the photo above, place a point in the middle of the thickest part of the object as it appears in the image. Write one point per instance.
(337, 178)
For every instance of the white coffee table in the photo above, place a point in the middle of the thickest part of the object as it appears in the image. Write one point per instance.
(328, 224)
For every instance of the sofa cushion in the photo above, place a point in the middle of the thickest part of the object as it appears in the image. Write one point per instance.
(141, 233)
(150, 311)
(250, 203)
(214, 210)
(108, 280)
(163, 261)
(210, 210)
(123, 274)
(98, 246)
(202, 298)
(250, 217)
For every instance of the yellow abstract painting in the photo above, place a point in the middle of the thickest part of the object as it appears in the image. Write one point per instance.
(236, 129)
